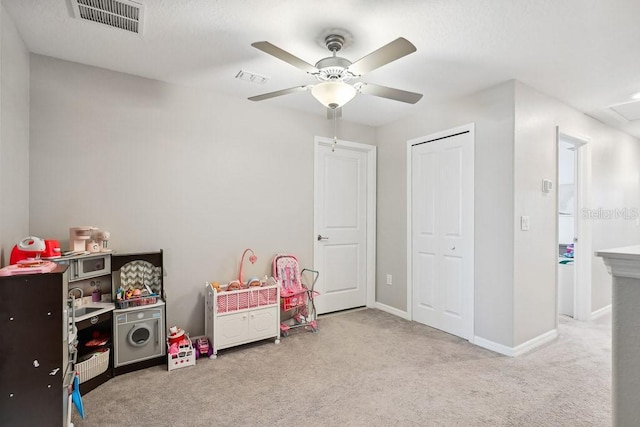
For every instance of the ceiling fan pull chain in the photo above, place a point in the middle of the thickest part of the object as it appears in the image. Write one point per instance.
(335, 132)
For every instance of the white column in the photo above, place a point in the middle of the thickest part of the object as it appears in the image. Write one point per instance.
(624, 266)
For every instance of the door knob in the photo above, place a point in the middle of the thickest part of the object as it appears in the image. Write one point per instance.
(320, 237)
(453, 248)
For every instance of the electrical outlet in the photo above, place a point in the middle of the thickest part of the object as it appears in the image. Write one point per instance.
(389, 280)
(524, 223)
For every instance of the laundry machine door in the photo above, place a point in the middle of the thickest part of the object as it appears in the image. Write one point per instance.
(140, 335)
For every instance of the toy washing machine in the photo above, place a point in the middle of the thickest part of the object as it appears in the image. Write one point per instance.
(139, 334)
(139, 329)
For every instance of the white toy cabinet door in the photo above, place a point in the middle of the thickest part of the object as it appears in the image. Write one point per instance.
(233, 329)
(263, 323)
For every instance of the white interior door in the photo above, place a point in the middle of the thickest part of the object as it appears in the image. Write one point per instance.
(343, 255)
(442, 230)
(580, 283)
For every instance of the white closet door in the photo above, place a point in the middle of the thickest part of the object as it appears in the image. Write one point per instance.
(442, 232)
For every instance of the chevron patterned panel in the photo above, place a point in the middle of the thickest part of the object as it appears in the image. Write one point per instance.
(137, 274)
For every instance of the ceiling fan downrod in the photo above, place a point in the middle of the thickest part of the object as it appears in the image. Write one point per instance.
(334, 43)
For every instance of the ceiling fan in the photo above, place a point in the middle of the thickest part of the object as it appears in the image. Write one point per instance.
(334, 72)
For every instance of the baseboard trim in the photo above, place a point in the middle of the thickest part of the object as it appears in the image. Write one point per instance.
(392, 310)
(490, 345)
(601, 312)
(519, 349)
(493, 346)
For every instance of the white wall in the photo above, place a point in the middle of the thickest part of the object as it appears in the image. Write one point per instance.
(201, 175)
(515, 281)
(492, 112)
(204, 176)
(14, 137)
(615, 184)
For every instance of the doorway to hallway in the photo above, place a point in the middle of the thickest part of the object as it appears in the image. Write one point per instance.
(573, 230)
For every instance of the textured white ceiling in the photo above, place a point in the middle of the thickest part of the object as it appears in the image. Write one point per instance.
(583, 52)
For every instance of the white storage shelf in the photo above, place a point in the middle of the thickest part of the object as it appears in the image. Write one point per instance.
(239, 317)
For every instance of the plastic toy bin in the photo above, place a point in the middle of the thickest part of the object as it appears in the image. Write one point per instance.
(136, 302)
(297, 299)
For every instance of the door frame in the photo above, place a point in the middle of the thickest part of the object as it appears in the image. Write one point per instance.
(583, 254)
(371, 151)
(470, 128)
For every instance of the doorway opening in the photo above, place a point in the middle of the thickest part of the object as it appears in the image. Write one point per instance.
(573, 229)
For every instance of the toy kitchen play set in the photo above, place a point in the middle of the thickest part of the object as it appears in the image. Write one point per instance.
(73, 320)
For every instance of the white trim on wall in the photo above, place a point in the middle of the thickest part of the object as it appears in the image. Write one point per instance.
(601, 312)
(409, 254)
(519, 349)
(392, 310)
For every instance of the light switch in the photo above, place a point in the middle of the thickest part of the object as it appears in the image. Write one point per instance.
(547, 185)
(524, 223)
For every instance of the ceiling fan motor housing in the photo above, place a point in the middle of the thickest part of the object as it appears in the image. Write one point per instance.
(333, 68)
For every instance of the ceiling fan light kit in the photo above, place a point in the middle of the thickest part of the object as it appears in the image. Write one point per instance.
(333, 94)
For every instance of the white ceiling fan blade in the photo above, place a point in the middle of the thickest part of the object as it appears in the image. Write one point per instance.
(285, 56)
(279, 93)
(388, 92)
(390, 52)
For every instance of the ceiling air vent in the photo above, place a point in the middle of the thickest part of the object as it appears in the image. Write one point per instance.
(628, 110)
(123, 14)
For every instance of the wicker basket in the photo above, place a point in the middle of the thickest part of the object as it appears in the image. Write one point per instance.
(94, 366)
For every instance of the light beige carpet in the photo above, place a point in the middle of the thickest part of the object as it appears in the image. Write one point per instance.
(369, 368)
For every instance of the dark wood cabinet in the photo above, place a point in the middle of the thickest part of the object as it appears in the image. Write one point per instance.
(34, 360)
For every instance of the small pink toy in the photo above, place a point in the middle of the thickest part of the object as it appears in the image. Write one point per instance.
(173, 348)
(252, 259)
(203, 348)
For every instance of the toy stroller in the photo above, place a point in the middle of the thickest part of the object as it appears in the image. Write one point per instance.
(295, 297)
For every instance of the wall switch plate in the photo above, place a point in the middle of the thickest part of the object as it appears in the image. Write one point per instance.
(547, 185)
(524, 223)
(389, 279)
